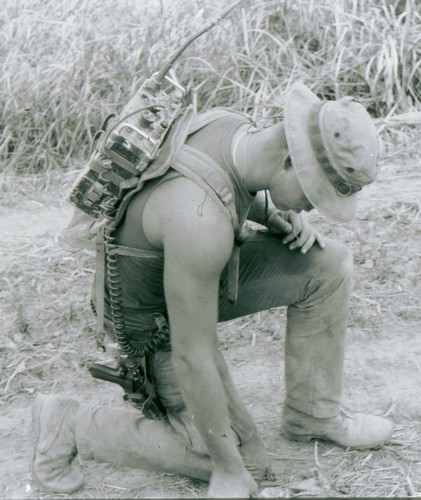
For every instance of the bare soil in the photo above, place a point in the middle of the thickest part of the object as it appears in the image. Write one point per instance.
(48, 339)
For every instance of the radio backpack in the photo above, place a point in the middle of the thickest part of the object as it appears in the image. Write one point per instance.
(140, 144)
(127, 144)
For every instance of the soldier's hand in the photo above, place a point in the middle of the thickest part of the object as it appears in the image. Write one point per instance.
(254, 456)
(299, 233)
(225, 485)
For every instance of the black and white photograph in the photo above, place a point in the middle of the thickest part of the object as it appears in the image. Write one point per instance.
(210, 271)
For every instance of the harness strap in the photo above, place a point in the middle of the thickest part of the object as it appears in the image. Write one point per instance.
(204, 119)
(135, 252)
(206, 173)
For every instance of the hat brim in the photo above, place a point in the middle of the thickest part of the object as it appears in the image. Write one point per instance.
(314, 182)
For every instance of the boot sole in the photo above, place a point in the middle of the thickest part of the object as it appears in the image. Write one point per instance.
(36, 413)
(305, 438)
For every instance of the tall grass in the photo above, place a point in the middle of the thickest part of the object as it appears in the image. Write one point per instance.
(66, 64)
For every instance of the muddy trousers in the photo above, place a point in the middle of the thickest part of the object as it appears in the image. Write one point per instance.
(316, 289)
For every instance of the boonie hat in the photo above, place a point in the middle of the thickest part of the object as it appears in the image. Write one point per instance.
(334, 149)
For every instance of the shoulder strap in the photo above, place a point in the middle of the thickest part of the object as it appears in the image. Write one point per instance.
(202, 120)
(206, 173)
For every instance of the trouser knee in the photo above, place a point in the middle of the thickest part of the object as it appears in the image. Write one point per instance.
(332, 269)
(338, 259)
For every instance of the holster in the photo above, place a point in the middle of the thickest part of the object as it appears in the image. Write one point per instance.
(133, 375)
(144, 395)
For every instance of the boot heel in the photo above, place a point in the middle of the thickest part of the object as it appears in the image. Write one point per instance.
(302, 438)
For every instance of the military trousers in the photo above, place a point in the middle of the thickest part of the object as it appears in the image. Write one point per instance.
(315, 287)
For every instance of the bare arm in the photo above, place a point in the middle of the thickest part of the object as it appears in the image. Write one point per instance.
(197, 242)
(252, 449)
(241, 420)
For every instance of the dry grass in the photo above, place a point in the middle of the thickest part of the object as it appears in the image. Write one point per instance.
(66, 65)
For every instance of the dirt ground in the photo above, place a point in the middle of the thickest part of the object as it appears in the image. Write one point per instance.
(45, 349)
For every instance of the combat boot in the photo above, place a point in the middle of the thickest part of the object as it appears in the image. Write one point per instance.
(349, 430)
(53, 465)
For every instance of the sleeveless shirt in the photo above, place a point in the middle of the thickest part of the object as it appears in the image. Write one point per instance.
(141, 278)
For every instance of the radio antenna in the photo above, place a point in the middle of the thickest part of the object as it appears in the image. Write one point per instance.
(160, 75)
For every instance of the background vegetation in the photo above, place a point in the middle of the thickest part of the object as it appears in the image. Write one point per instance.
(66, 64)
